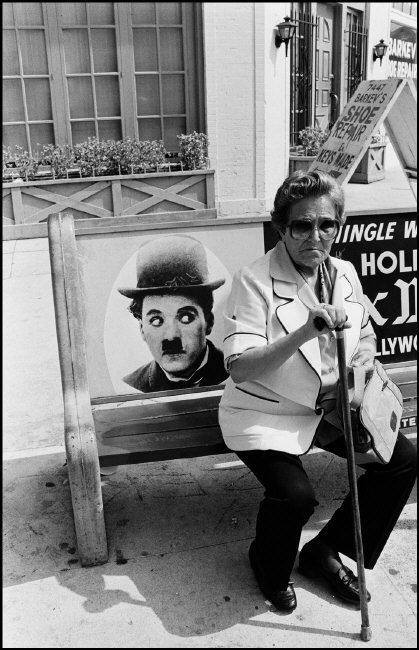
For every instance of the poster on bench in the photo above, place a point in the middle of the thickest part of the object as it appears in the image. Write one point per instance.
(155, 321)
(169, 291)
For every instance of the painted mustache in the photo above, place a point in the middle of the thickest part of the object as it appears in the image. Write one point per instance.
(172, 347)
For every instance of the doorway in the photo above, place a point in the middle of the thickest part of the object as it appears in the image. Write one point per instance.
(325, 99)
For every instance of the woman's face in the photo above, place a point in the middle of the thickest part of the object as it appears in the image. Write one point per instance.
(311, 252)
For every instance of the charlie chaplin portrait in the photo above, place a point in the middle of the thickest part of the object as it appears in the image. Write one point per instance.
(173, 303)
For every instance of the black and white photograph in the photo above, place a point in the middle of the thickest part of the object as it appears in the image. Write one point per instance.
(209, 324)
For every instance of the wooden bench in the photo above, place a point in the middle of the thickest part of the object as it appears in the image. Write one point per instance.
(104, 427)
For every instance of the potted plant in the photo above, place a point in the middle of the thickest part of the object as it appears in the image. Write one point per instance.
(25, 165)
(58, 159)
(371, 167)
(310, 141)
(193, 150)
(10, 170)
(96, 178)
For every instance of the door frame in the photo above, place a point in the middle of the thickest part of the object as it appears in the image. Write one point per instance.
(336, 86)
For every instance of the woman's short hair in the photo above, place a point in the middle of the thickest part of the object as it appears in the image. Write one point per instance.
(301, 185)
(203, 296)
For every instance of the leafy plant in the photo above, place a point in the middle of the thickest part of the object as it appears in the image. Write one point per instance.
(311, 139)
(152, 153)
(96, 157)
(378, 138)
(110, 157)
(26, 165)
(8, 160)
(125, 155)
(59, 157)
(193, 150)
(136, 156)
(93, 157)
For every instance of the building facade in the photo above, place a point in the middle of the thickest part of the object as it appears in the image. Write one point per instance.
(155, 70)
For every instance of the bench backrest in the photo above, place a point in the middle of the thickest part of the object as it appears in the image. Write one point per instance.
(100, 262)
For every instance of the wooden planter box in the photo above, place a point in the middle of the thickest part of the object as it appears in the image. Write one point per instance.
(371, 167)
(300, 162)
(151, 197)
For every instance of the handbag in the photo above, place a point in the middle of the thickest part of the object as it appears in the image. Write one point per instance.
(376, 410)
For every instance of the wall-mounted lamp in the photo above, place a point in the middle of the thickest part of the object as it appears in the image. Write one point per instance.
(379, 50)
(286, 31)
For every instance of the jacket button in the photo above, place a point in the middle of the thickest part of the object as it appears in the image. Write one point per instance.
(318, 411)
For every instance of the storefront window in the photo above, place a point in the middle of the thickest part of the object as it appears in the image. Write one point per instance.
(27, 104)
(110, 70)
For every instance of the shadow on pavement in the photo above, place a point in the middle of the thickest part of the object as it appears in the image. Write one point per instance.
(178, 537)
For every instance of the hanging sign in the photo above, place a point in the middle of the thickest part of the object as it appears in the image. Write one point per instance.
(351, 134)
(402, 52)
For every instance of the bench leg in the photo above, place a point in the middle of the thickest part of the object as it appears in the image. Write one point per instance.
(86, 496)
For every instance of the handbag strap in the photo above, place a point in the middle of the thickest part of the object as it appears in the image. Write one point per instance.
(359, 386)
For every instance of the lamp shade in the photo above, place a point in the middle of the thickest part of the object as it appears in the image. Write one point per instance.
(286, 29)
(380, 49)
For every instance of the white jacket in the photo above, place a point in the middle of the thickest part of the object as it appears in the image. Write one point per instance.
(268, 300)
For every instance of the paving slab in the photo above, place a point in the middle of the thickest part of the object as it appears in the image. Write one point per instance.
(31, 245)
(7, 265)
(9, 246)
(33, 414)
(31, 263)
(393, 191)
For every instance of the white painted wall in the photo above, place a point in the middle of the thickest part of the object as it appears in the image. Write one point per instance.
(230, 91)
(378, 22)
(247, 104)
(277, 94)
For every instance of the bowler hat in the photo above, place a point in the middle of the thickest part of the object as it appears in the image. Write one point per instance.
(169, 263)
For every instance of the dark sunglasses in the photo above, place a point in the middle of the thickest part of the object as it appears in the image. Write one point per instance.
(303, 229)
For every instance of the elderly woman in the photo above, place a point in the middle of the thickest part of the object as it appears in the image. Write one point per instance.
(280, 398)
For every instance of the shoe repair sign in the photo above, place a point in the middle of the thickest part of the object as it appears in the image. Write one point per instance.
(383, 250)
(390, 101)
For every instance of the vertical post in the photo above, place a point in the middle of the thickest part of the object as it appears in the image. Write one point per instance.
(79, 430)
(17, 204)
(116, 186)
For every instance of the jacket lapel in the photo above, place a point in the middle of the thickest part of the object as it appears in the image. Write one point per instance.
(344, 297)
(295, 298)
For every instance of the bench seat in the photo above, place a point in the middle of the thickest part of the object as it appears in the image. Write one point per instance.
(146, 429)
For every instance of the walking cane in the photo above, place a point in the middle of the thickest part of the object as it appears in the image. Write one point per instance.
(366, 632)
(350, 457)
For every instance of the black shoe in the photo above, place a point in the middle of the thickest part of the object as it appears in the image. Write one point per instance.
(343, 581)
(283, 599)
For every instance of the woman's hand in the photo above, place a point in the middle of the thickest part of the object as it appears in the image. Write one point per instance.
(327, 315)
(364, 358)
(252, 363)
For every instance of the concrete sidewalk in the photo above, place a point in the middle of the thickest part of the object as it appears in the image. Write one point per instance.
(178, 532)
(178, 574)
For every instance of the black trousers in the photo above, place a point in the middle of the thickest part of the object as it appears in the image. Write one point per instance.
(290, 501)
